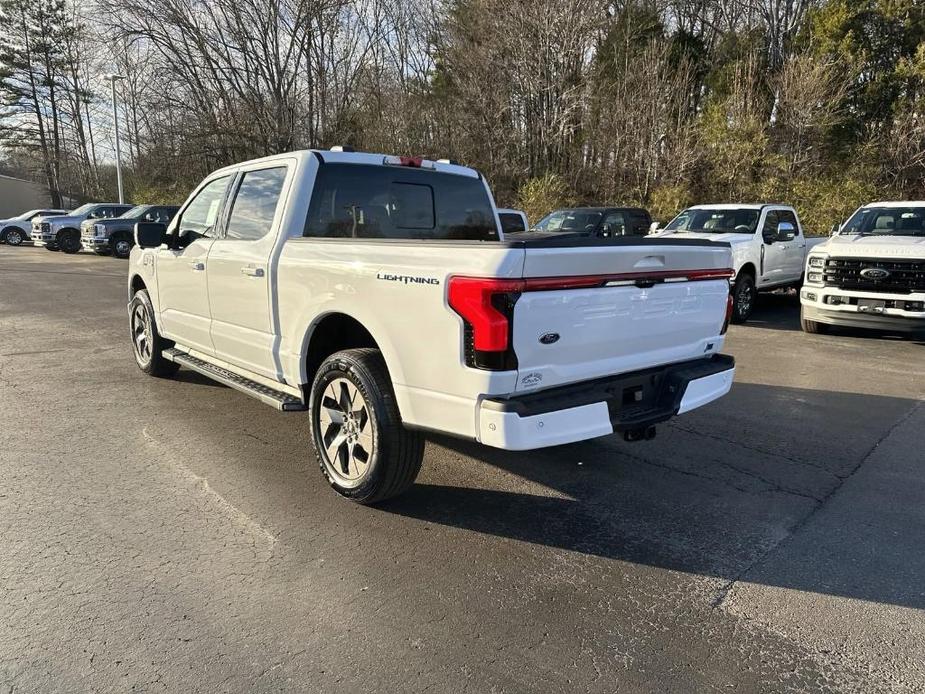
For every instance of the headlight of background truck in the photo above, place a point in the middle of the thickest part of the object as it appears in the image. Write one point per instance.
(817, 261)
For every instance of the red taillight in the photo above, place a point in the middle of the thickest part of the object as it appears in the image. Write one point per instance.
(414, 162)
(473, 299)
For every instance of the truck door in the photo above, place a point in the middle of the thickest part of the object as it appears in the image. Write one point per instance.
(240, 272)
(183, 297)
(795, 253)
(774, 252)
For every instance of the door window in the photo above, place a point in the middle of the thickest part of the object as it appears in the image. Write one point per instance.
(614, 224)
(769, 230)
(789, 217)
(255, 204)
(200, 216)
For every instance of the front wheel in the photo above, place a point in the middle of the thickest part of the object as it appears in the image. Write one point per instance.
(363, 449)
(147, 344)
(14, 237)
(744, 296)
(812, 327)
(69, 241)
(121, 247)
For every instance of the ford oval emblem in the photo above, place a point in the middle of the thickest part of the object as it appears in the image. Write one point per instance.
(549, 338)
(875, 273)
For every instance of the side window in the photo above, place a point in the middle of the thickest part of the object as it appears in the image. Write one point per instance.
(770, 223)
(255, 204)
(511, 223)
(614, 224)
(788, 216)
(200, 215)
(639, 223)
(161, 214)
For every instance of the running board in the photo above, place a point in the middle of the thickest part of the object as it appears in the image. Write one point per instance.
(281, 401)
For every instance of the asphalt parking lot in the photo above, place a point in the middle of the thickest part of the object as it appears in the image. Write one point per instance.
(177, 535)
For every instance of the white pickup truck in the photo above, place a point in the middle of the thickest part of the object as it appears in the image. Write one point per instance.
(380, 294)
(769, 247)
(870, 273)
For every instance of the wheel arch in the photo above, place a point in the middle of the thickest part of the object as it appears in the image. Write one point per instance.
(135, 284)
(329, 333)
(7, 228)
(748, 269)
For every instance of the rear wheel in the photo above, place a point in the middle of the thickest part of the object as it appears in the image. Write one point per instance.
(13, 236)
(812, 327)
(69, 241)
(147, 344)
(744, 296)
(363, 449)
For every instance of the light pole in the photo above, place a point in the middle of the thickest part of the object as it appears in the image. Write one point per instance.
(115, 118)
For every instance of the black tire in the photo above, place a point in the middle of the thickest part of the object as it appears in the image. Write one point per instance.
(13, 236)
(744, 295)
(68, 240)
(141, 320)
(121, 247)
(395, 459)
(812, 327)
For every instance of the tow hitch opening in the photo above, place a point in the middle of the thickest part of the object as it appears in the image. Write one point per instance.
(640, 434)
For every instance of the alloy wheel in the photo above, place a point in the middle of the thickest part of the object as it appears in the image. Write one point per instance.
(346, 431)
(122, 248)
(141, 334)
(13, 237)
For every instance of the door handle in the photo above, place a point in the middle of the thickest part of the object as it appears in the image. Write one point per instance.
(252, 271)
(197, 266)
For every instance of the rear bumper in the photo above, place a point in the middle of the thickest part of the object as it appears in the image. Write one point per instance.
(603, 406)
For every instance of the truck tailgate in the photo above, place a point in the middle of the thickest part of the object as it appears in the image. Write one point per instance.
(595, 310)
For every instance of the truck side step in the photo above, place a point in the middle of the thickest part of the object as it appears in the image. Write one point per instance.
(281, 401)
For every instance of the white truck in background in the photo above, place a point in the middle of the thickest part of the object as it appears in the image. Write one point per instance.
(870, 273)
(769, 248)
(380, 294)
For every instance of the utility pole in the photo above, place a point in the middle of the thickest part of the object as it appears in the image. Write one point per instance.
(115, 119)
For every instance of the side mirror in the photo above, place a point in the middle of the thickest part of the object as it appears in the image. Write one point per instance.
(786, 231)
(653, 227)
(834, 229)
(150, 234)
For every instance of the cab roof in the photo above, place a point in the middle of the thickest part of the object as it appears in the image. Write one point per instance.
(738, 206)
(897, 203)
(338, 156)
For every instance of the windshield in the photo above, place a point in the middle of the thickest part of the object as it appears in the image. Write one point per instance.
(569, 220)
(734, 221)
(887, 221)
(27, 215)
(83, 209)
(136, 211)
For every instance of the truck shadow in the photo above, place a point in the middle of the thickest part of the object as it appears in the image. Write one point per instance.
(801, 504)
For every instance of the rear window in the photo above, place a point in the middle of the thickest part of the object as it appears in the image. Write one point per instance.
(391, 202)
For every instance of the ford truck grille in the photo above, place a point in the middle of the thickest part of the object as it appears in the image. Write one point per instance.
(904, 276)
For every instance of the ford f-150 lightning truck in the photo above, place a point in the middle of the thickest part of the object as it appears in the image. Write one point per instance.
(870, 273)
(380, 294)
(769, 247)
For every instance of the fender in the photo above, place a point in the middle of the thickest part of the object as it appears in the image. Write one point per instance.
(375, 329)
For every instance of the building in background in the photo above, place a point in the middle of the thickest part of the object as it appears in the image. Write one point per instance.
(18, 195)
